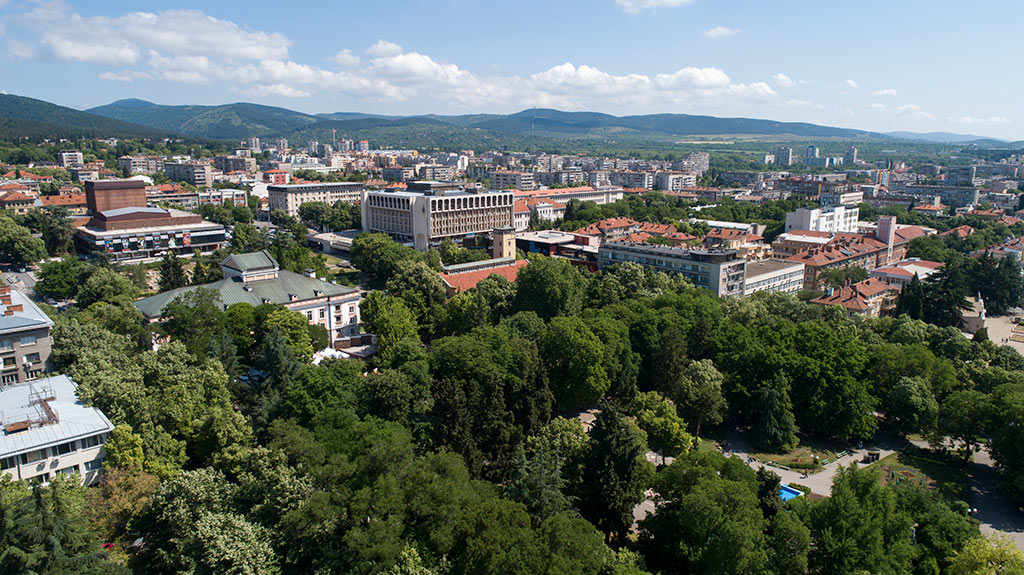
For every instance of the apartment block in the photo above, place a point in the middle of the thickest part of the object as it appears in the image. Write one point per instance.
(235, 164)
(141, 164)
(198, 174)
(773, 276)
(722, 272)
(24, 337)
(835, 219)
(512, 180)
(69, 158)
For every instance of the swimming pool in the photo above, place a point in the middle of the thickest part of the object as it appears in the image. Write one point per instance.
(786, 492)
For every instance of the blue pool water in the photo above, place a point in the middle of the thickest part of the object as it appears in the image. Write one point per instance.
(786, 492)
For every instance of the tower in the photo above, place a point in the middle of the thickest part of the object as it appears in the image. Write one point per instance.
(503, 242)
(887, 233)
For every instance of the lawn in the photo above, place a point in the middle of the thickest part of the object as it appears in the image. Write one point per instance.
(927, 468)
(800, 458)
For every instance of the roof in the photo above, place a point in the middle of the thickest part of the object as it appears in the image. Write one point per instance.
(233, 290)
(553, 191)
(843, 249)
(857, 296)
(732, 234)
(63, 200)
(13, 186)
(959, 231)
(30, 316)
(605, 225)
(16, 197)
(909, 268)
(252, 261)
(928, 208)
(75, 420)
(116, 212)
(639, 237)
(462, 281)
(657, 229)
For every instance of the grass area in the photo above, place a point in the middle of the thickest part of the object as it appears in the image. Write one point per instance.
(928, 468)
(802, 457)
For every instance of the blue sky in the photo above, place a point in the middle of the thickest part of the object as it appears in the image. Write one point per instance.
(877, 65)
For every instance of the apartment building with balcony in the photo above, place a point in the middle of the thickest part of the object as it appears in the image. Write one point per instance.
(24, 338)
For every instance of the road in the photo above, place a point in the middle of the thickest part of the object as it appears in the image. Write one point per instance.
(995, 511)
(23, 281)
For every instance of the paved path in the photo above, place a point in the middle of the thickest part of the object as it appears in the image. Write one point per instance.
(996, 512)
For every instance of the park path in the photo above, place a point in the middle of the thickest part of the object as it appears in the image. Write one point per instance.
(995, 511)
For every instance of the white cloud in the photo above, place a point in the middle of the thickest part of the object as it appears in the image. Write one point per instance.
(64, 34)
(972, 121)
(346, 58)
(280, 90)
(783, 81)
(851, 83)
(126, 76)
(635, 6)
(720, 32)
(877, 107)
(804, 104)
(913, 111)
(884, 92)
(847, 113)
(383, 48)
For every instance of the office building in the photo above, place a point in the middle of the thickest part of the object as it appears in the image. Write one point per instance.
(288, 198)
(70, 158)
(773, 276)
(722, 272)
(512, 180)
(427, 212)
(960, 176)
(199, 174)
(24, 337)
(833, 219)
(256, 278)
(49, 431)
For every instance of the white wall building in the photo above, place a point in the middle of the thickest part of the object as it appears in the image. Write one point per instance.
(837, 219)
(47, 431)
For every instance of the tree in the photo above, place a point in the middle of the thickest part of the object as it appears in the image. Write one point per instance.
(775, 430)
(839, 277)
(294, 327)
(614, 472)
(665, 430)
(106, 285)
(550, 287)
(172, 275)
(61, 279)
(912, 407)
(57, 232)
(699, 398)
(987, 556)
(911, 299)
(194, 317)
(389, 319)
(574, 359)
(18, 243)
(537, 483)
(962, 417)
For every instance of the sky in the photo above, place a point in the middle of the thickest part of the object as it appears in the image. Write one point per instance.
(876, 64)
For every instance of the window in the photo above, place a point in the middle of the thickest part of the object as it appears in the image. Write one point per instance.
(69, 470)
(65, 448)
(28, 340)
(8, 361)
(94, 465)
(6, 345)
(309, 315)
(33, 456)
(323, 313)
(32, 358)
(91, 441)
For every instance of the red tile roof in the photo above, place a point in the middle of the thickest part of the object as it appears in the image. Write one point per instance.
(927, 208)
(639, 237)
(732, 234)
(521, 207)
(553, 191)
(468, 280)
(657, 229)
(858, 295)
(959, 231)
(601, 227)
(64, 200)
(15, 197)
(838, 251)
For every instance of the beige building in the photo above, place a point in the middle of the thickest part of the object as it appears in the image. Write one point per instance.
(512, 180)
(427, 212)
(198, 174)
(24, 338)
(288, 198)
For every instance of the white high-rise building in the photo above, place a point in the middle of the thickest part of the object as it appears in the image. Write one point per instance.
(836, 219)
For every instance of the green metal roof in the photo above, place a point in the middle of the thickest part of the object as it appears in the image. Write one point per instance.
(252, 261)
(233, 290)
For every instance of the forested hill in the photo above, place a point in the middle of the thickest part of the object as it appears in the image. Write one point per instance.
(31, 118)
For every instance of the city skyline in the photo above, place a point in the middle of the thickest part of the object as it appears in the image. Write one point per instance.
(879, 69)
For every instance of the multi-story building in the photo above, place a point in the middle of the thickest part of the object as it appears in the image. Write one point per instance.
(841, 197)
(902, 272)
(783, 156)
(566, 177)
(850, 157)
(254, 144)
(288, 198)
(437, 172)
(961, 176)
(543, 210)
(512, 180)
(791, 243)
(426, 212)
(871, 297)
(633, 179)
(812, 152)
(24, 337)
(398, 173)
(16, 202)
(235, 164)
(141, 164)
(835, 219)
(256, 278)
(674, 181)
(956, 196)
(773, 276)
(73, 202)
(199, 174)
(49, 431)
(224, 196)
(600, 196)
(70, 158)
(276, 177)
(722, 272)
